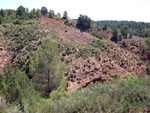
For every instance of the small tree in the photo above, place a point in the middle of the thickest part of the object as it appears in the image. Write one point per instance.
(105, 26)
(1, 19)
(115, 32)
(58, 14)
(65, 15)
(125, 31)
(44, 10)
(38, 13)
(84, 22)
(51, 14)
(21, 12)
(3, 13)
(131, 34)
(45, 66)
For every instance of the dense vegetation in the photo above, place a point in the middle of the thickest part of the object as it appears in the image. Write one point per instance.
(84, 22)
(122, 95)
(137, 28)
(35, 78)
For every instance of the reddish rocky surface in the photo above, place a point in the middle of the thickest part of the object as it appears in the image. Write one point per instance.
(4, 57)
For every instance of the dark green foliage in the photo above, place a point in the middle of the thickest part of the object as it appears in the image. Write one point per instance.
(131, 95)
(58, 14)
(125, 31)
(115, 36)
(18, 22)
(137, 28)
(2, 13)
(51, 14)
(146, 47)
(38, 13)
(45, 66)
(124, 43)
(62, 58)
(93, 33)
(68, 51)
(21, 12)
(77, 56)
(84, 22)
(15, 86)
(1, 19)
(131, 34)
(105, 27)
(57, 94)
(44, 10)
(65, 15)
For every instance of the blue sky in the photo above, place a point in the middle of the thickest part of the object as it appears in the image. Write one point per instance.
(135, 10)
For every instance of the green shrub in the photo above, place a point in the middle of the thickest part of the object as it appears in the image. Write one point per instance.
(57, 94)
(118, 96)
(6, 32)
(62, 59)
(77, 56)
(18, 22)
(8, 47)
(68, 51)
(64, 54)
(132, 47)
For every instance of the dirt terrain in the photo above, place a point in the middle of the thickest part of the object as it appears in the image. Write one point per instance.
(88, 59)
(62, 31)
(107, 62)
(4, 57)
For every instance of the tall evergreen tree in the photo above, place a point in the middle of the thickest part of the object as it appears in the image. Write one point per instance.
(44, 10)
(38, 13)
(51, 14)
(21, 12)
(58, 14)
(65, 15)
(1, 19)
(83, 22)
(115, 32)
(105, 26)
(3, 13)
(125, 31)
(44, 65)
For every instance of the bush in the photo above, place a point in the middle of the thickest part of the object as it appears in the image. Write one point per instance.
(68, 51)
(8, 47)
(62, 59)
(121, 95)
(18, 22)
(57, 94)
(77, 56)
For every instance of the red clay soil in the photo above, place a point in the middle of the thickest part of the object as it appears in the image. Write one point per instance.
(50, 21)
(62, 31)
(91, 70)
(108, 34)
(135, 46)
(4, 57)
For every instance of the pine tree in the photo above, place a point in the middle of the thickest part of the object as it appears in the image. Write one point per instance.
(21, 12)
(51, 14)
(65, 15)
(125, 31)
(115, 32)
(105, 26)
(44, 10)
(44, 65)
(1, 19)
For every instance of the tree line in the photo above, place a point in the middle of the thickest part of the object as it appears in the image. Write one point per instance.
(137, 28)
(23, 13)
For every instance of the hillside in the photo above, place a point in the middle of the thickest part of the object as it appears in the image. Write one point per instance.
(48, 64)
(88, 61)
